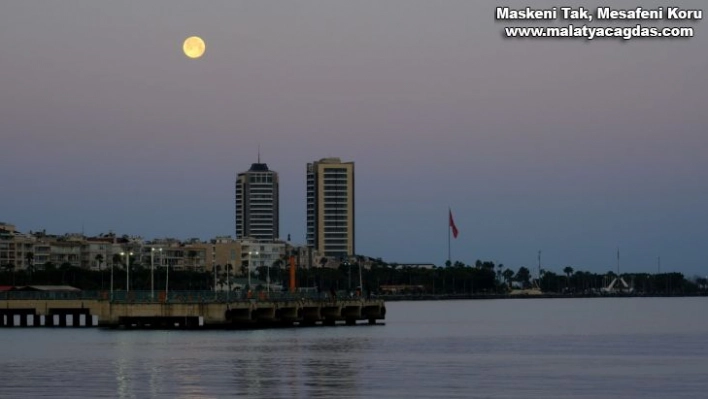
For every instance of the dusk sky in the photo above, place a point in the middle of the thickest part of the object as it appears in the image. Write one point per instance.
(571, 147)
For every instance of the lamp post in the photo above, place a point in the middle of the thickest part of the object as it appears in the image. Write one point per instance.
(250, 253)
(160, 251)
(167, 280)
(127, 269)
(112, 280)
(152, 274)
(361, 281)
(228, 282)
(214, 268)
(349, 266)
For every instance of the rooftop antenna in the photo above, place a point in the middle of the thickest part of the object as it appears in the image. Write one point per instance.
(538, 282)
(539, 265)
(259, 152)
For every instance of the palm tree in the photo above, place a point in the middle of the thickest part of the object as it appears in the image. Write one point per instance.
(229, 269)
(29, 256)
(508, 274)
(568, 272)
(217, 276)
(523, 276)
(99, 261)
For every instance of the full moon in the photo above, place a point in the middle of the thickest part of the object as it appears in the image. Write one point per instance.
(194, 47)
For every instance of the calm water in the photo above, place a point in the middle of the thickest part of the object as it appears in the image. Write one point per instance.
(553, 348)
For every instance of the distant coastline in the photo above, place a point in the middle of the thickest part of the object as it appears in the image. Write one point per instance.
(442, 297)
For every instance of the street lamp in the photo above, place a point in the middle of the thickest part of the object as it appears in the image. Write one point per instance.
(127, 269)
(268, 279)
(228, 283)
(361, 281)
(152, 271)
(167, 280)
(112, 261)
(249, 266)
(215, 269)
(349, 266)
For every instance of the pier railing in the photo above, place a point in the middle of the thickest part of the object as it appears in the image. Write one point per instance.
(178, 296)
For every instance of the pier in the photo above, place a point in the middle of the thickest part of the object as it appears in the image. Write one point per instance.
(188, 310)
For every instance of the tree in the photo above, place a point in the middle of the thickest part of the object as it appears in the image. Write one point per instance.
(508, 274)
(99, 260)
(278, 263)
(523, 276)
(218, 278)
(568, 272)
(29, 256)
(229, 269)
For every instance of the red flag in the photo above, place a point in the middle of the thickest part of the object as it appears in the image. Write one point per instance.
(452, 225)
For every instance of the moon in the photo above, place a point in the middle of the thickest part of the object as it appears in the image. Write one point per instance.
(194, 47)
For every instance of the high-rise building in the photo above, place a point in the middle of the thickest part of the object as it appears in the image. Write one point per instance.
(257, 203)
(330, 207)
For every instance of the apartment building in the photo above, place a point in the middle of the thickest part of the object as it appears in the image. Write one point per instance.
(257, 203)
(106, 250)
(330, 207)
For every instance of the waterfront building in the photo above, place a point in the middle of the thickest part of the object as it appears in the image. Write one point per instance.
(257, 253)
(330, 207)
(257, 203)
(14, 247)
(65, 251)
(97, 252)
(225, 252)
(104, 251)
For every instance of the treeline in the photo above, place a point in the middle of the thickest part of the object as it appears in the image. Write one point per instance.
(483, 277)
(488, 277)
(581, 282)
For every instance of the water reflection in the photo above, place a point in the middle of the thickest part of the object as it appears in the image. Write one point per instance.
(295, 366)
(292, 363)
(435, 349)
(152, 364)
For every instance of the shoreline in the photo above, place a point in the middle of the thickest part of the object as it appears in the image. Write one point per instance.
(444, 297)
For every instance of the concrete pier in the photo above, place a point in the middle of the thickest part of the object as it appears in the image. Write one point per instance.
(235, 314)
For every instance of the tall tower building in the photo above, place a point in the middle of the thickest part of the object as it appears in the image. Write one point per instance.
(257, 203)
(330, 207)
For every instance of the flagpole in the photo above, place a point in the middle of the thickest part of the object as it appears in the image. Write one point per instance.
(449, 252)
(449, 257)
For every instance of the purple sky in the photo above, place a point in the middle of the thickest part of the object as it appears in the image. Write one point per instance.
(568, 147)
